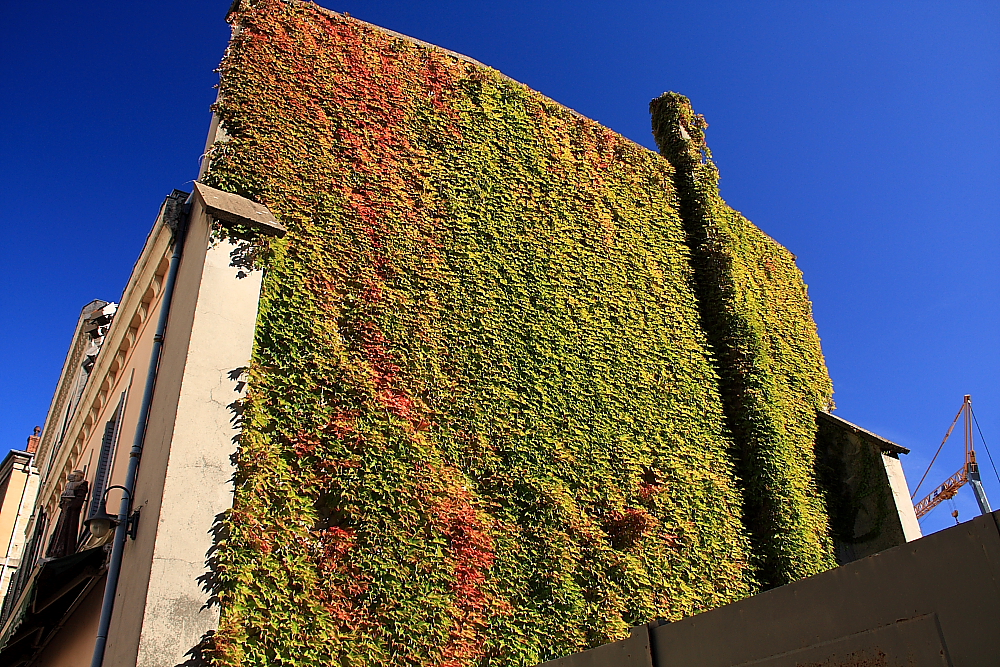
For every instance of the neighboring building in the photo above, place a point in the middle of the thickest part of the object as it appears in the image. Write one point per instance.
(509, 385)
(866, 492)
(18, 488)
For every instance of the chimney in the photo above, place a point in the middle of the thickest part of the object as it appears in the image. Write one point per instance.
(33, 440)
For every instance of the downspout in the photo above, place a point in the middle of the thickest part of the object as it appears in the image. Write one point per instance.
(125, 507)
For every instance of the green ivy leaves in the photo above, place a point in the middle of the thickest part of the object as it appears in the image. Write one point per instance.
(483, 426)
(758, 317)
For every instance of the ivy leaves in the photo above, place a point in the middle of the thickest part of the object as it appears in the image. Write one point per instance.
(483, 426)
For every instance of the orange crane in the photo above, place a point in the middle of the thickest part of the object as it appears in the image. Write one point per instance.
(969, 473)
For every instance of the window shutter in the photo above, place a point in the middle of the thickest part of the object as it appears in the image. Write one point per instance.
(108, 446)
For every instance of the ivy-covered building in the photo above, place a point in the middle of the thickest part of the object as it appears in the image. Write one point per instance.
(443, 373)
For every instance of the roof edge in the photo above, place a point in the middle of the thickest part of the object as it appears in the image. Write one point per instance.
(885, 445)
(233, 209)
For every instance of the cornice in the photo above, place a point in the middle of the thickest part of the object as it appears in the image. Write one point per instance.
(141, 293)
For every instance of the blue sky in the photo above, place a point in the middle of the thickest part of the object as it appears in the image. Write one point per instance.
(864, 136)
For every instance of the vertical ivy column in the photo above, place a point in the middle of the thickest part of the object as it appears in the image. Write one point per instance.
(757, 314)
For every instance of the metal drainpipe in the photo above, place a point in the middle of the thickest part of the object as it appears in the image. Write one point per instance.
(124, 509)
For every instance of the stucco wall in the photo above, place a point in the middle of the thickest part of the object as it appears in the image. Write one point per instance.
(131, 599)
(19, 497)
(10, 500)
(185, 475)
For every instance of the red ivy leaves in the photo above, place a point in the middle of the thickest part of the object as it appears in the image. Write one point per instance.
(471, 549)
(627, 527)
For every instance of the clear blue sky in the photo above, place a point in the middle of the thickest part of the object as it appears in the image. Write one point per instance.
(864, 136)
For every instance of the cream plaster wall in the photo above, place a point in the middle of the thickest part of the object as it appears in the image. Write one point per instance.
(10, 503)
(18, 501)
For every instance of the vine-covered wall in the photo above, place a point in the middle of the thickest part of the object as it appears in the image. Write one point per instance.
(483, 425)
(758, 318)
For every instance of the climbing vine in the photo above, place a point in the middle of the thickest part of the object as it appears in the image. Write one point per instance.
(483, 425)
(758, 319)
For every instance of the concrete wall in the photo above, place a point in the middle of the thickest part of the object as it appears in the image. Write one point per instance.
(933, 601)
(631, 652)
(74, 645)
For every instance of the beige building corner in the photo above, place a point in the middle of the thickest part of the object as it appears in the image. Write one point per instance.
(161, 611)
(18, 489)
(187, 472)
(901, 498)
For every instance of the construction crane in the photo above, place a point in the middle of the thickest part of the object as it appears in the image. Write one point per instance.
(969, 473)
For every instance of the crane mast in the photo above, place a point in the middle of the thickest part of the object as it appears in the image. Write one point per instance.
(968, 474)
